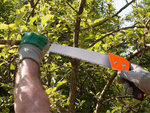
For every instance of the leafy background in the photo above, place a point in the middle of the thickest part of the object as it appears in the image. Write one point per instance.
(73, 85)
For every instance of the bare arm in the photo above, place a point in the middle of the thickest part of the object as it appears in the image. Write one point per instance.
(29, 94)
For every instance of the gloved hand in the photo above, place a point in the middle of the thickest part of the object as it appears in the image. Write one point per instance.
(139, 76)
(33, 46)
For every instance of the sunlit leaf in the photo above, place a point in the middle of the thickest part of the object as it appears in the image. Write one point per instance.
(3, 26)
(148, 14)
(47, 18)
(139, 10)
(61, 83)
(12, 26)
(98, 20)
(19, 17)
(32, 19)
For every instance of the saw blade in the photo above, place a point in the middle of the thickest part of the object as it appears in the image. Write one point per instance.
(81, 54)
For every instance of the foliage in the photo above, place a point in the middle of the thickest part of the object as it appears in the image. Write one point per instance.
(100, 30)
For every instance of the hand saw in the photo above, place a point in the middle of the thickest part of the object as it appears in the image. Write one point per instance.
(110, 61)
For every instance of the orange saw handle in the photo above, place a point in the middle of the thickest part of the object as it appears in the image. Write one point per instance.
(119, 63)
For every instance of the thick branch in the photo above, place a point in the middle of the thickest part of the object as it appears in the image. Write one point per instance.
(105, 20)
(75, 62)
(81, 7)
(76, 31)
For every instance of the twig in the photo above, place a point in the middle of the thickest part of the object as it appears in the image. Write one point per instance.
(137, 52)
(145, 32)
(110, 33)
(3, 60)
(10, 42)
(61, 109)
(117, 98)
(90, 79)
(32, 11)
(126, 1)
(105, 20)
(101, 97)
(71, 6)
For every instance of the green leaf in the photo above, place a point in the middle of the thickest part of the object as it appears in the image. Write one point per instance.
(98, 20)
(12, 67)
(3, 26)
(48, 91)
(148, 14)
(139, 10)
(6, 85)
(108, 1)
(19, 17)
(32, 19)
(12, 26)
(46, 18)
(11, 91)
(60, 83)
(2, 63)
(88, 1)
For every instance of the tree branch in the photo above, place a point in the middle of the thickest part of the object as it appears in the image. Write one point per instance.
(74, 62)
(71, 6)
(81, 6)
(105, 20)
(101, 97)
(110, 33)
(145, 32)
(117, 98)
(10, 42)
(33, 8)
(76, 31)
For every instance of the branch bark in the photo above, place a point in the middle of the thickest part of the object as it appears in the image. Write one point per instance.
(74, 62)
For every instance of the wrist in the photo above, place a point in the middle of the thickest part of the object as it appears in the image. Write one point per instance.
(31, 52)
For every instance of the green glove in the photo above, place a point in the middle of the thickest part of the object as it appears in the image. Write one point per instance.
(33, 46)
(139, 76)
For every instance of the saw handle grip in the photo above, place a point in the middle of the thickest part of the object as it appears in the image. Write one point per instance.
(137, 93)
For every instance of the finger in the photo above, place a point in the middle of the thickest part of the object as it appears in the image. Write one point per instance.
(130, 90)
(120, 80)
(134, 77)
(126, 85)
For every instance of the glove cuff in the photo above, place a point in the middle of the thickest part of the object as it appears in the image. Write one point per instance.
(30, 51)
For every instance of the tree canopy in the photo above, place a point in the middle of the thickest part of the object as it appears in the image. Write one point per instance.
(75, 86)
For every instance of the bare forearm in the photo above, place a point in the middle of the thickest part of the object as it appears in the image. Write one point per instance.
(29, 93)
